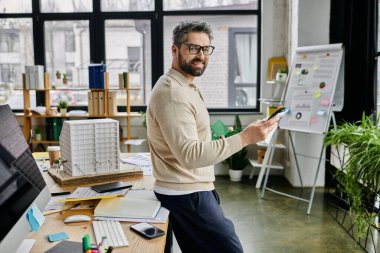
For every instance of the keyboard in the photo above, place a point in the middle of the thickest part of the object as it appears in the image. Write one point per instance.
(112, 230)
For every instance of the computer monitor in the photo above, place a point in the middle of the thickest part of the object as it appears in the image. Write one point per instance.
(21, 183)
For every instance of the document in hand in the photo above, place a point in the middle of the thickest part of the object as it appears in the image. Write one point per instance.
(125, 207)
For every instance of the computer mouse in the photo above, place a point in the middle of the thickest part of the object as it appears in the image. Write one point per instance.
(77, 218)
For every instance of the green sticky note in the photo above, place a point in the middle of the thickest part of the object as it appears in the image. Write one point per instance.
(219, 129)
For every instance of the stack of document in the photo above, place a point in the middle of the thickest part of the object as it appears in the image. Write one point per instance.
(141, 160)
(86, 193)
(135, 206)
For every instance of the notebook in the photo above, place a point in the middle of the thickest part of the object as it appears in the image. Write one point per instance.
(124, 207)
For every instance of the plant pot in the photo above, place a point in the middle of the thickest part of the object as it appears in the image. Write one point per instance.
(235, 175)
(64, 80)
(38, 137)
(63, 111)
(281, 77)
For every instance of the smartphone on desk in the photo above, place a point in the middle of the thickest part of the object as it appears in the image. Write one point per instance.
(147, 230)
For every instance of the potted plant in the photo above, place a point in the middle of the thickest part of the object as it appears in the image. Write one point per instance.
(359, 177)
(238, 161)
(63, 107)
(37, 134)
(58, 74)
(65, 78)
(282, 74)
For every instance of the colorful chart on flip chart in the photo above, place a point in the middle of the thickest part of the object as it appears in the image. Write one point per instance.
(311, 87)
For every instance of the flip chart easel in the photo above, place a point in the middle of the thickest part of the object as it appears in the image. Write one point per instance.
(314, 90)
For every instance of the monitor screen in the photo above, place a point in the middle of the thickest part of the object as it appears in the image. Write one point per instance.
(21, 182)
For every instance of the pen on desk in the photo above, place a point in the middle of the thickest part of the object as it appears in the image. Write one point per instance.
(71, 207)
(110, 248)
(60, 193)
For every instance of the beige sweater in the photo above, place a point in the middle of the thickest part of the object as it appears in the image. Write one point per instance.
(183, 154)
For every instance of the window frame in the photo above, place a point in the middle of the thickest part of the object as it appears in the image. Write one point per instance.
(97, 20)
(231, 63)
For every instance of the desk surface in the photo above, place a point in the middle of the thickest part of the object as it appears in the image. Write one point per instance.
(54, 224)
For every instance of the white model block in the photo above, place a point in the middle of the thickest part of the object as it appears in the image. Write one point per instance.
(90, 146)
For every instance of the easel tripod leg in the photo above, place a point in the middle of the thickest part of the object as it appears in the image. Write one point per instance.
(315, 182)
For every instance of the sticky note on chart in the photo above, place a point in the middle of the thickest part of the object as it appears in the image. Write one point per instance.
(325, 102)
(321, 112)
(317, 94)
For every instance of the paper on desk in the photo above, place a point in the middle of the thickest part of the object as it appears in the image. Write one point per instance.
(161, 217)
(57, 204)
(141, 160)
(135, 142)
(26, 245)
(86, 193)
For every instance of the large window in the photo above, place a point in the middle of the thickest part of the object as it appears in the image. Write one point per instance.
(16, 51)
(231, 76)
(128, 50)
(131, 36)
(50, 6)
(378, 62)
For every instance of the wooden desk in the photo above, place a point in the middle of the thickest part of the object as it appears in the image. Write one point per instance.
(54, 224)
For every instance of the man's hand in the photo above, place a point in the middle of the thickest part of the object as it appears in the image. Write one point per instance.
(257, 131)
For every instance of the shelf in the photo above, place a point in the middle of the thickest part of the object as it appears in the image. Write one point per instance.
(263, 144)
(106, 110)
(276, 82)
(125, 114)
(43, 142)
(275, 165)
(269, 100)
(124, 89)
(58, 115)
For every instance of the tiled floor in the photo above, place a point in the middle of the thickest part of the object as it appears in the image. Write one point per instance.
(278, 224)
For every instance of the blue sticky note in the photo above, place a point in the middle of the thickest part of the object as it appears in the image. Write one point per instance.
(32, 220)
(57, 237)
(321, 112)
(37, 214)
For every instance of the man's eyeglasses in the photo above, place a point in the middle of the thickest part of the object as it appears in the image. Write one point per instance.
(195, 49)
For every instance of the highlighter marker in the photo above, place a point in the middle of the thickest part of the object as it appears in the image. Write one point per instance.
(86, 243)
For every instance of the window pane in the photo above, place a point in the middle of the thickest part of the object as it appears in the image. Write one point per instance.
(128, 50)
(67, 46)
(171, 5)
(218, 84)
(15, 6)
(378, 64)
(66, 6)
(127, 5)
(16, 51)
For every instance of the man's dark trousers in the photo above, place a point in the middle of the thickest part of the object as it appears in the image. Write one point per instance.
(199, 223)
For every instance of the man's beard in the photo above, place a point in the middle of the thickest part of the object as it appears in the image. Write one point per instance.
(186, 66)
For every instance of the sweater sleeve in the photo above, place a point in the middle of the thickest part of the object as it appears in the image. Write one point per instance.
(178, 123)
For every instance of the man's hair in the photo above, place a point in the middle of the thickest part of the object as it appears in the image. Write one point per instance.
(183, 28)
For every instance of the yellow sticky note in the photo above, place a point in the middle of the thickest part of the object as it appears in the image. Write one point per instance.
(317, 94)
(316, 67)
